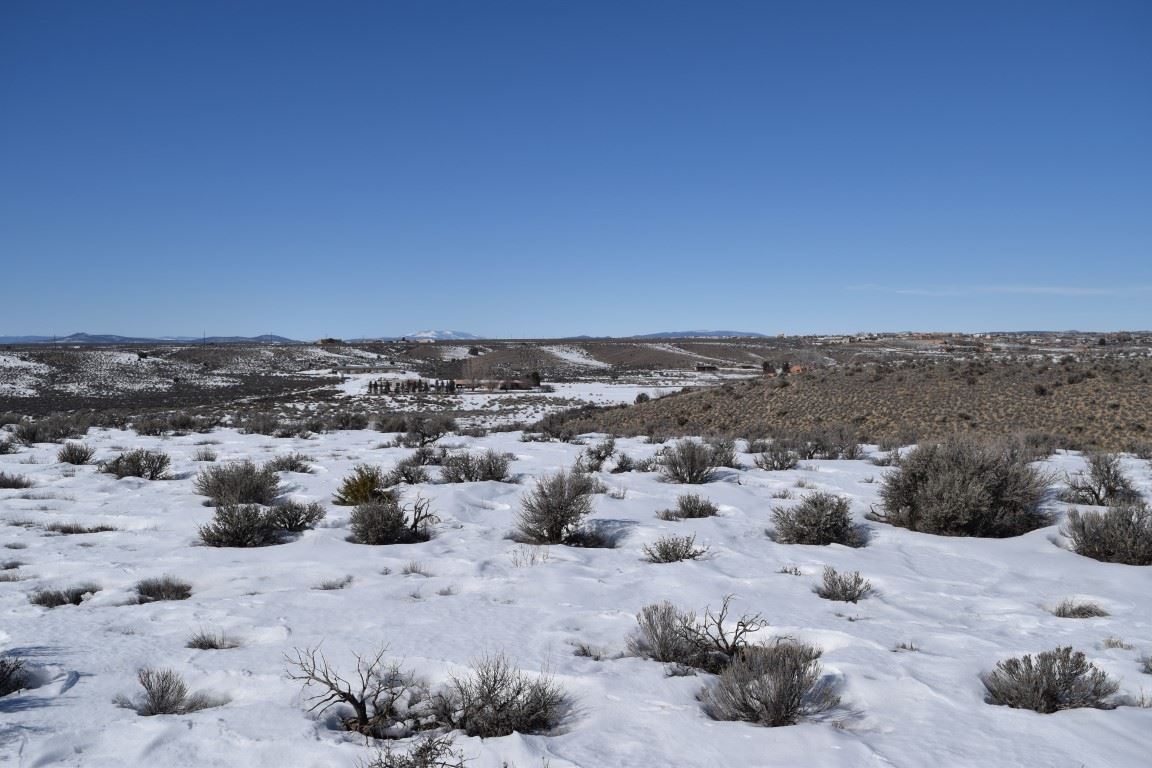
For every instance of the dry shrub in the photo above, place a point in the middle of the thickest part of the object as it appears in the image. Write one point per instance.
(166, 693)
(1120, 534)
(430, 750)
(1105, 483)
(673, 549)
(553, 510)
(771, 685)
(819, 519)
(963, 487)
(689, 462)
(777, 456)
(1070, 609)
(162, 588)
(689, 506)
(240, 525)
(14, 481)
(467, 467)
(386, 522)
(13, 675)
(289, 462)
(497, 700)
(295, 516)
(53, 598)
(75, 453)
(209, 640)
(139, 463)
(844, 587)
(238, 482)
(1054, 680)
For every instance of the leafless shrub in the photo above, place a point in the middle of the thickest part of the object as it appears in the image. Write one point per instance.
(724, 453)
(624, 463)
(162, 588)
(1070, 609)
(294, 516)
(429, 751)
(1055, 680)
(13, 675)
(1105, 484)
(53, 598)
(75, 453)
(425, 429)
(689, 462)
(553, 510)
(467, 467)
(238, 482)
(962, 487)
(166, 693)
(14, 481)
(209, 640)
(204, 454)
(289, 462)
(844, 587)
(366, 485)
(717, 640)
(497, 700)
(673, 549)
(386, 522)
(594, 456)
(819, 519)
(1120, 534)
(240, 525)
(385, 701)
(771, 685)
(149, 465)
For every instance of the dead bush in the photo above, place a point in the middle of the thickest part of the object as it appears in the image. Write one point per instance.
(208, 640)
(819, 519)
(429, 751)
(1120, 534)
(497, 700)
(1055, 680)
(962, 487)
(771, 685)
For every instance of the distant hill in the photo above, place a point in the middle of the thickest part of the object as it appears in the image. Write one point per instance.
(699, 335)
(89, 338)
(443, 336)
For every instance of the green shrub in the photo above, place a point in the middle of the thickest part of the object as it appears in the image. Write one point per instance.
(366, 485)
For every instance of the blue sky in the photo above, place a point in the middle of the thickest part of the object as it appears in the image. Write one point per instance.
(550, 168)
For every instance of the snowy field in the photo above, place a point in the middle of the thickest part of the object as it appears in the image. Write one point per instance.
(963, 604)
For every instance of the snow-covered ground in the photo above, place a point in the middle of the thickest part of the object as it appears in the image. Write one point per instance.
(576, 356)
(963, 603)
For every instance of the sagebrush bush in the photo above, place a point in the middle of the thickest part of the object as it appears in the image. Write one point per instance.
(1055, 680)
(660, 635)
(72, 529)
(424, 429)
(409, 471)
(204, 454)
(162, 588)
(777, 456)
(1120, 534)
(386, 522)
(366, 485)
(1104, 484)
(75, 453)
(467, 467)
(166, 693)
(13, 675)
(149, 465)
(1071, 609)
(53, 429)
(14, 481)
(844, 587)
(53, 598)
(689, 462)
(772, 685)
(497, 700)
(294, 516)
(819, 519)
(240, 525)
(430, 750)
(555, 507)
(7, 446)
(962, 487)
(238, 482)
(689, 506)
(673, 549)
(289, 462)
(209, 640)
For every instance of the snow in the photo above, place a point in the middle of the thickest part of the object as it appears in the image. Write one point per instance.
(576, 355)
(964, 603)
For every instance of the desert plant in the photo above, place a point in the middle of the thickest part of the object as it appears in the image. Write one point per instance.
(366, 485)
(497, 700)
(673, 549)
(466, 467)
(384, 699)
(844, 587)
(14, 481)
(425, 429)
(73, 529)
(771, 685)
(53, 429)
(13, 675)
(820, 519)
(1105, 484)
(162, 588)
(53, 598)
(1120, 534)
(430, 750)
(166, 693)
(289, 462)
(660, 635)
(238, 482)
(204, 454)
(594, 456)
(1054, 680)
(689, 505)
(208, 640)
(717, 640)
(386, 522)
(149, 465)
(240, 525)
(1070, 609)
(624, 463)
(690, 462)
(777, 456)
(409, 471)
(962, 487)
(75, 453)
(295, 516)
(724, 453)
(553, 510)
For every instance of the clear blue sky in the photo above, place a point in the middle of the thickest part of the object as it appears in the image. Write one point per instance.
(549, 168)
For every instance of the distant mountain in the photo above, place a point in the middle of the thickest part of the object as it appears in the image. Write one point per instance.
(699, 335)
(443, 336)
(88, 338)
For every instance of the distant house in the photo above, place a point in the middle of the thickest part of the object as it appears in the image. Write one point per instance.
(705, 367)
